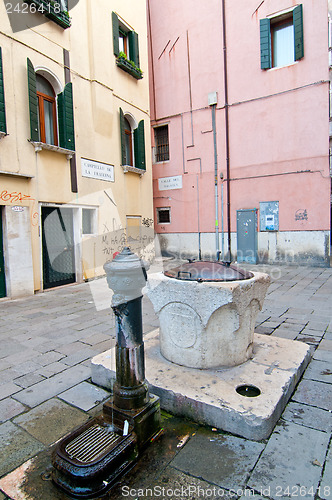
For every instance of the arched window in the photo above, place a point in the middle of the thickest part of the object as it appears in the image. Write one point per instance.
(50, 109)
(132, 142)
(46, 111)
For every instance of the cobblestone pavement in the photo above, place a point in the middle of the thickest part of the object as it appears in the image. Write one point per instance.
(47, 342)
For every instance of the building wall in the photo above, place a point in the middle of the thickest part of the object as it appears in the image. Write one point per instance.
(34, 180)
(278, 127)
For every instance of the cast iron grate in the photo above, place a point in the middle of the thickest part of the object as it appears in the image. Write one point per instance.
(92, 444)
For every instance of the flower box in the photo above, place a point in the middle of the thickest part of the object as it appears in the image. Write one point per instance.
(130, 68)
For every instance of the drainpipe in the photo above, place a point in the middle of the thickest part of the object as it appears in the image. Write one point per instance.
(213, 103)
(228, 193)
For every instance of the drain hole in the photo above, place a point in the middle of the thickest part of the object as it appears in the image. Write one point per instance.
(249, 391)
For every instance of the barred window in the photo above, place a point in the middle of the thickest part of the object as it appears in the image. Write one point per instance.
(162, 144)
(163, 215)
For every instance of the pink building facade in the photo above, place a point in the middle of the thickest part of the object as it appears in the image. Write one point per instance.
(240, 129)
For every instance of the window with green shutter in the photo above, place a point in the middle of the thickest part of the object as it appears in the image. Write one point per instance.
(132, 145)
(3, 127)
(33, 103)
(281, 39)
(139, 146)
(43, 106)
(66, 118)
(126, 47)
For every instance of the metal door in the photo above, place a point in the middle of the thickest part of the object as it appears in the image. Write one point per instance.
(58, 246)
(247, 236)
(2, 263)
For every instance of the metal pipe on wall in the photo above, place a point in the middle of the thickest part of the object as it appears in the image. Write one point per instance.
(213, 109)
(228, 190)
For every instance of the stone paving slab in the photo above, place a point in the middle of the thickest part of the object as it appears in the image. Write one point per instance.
(9, 408)
(8, 389)
(325, 491)
(16, 445)
(320, 371)
(293, 458)
(49, 388)
(309, 416)
(222, 460)
(314, 393)
(321, 355)
(85, 396)
(50, 421)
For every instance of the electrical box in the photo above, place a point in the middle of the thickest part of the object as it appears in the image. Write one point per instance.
(269, 215)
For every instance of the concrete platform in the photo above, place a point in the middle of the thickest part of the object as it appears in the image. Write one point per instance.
(210, 396)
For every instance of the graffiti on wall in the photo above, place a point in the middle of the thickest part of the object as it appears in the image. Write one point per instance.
(301, 214)
(15, 197)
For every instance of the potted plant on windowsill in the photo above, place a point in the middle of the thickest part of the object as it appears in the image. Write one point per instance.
(129, 66)
(52, 10)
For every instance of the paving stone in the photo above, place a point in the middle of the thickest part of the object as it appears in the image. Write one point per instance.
(48, 357)
(50, 421)
(222, 460)
(10, 347)
(264, 330)
(173, 484)
(26, 367)
(52, 369)
(285, 333)
(21, 357)
(326, 345)
(328, 336)
(314, 341)
(312, 333)
(319, 370)
(53, 386)
(85, 396)
(290, 461)
(8, 389)
(309, 416)
(81, 355)
(325, 490)
(9, 408)
(4, 365)
(28, 380)
(314, 393)
(16, 446)
(322, 355)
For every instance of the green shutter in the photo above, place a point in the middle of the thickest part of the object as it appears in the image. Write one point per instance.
(133, 47)
(123, 139)
(115, 24)
(66, 118)
(298, 32)
(33, 102)
(139, 146)
(3, 127)
(265, 34)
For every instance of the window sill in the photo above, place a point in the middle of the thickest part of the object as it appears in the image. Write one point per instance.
(285, 66)
(39, 146)
(60, 18)
(161, 162)
(129, 168)
(124, 64)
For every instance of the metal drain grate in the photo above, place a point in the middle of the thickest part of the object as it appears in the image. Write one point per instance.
(93, 443)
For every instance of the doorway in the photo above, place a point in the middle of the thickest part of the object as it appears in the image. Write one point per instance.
(2, 262)
(247, 235)
(58, 251)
